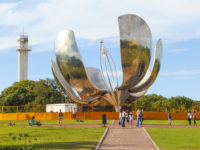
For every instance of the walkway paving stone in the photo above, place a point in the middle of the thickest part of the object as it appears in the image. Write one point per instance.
(119, 138)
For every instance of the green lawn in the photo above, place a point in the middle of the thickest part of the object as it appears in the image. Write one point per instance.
(58, 138)
(176, 138)
(25, 122)
(163, 122)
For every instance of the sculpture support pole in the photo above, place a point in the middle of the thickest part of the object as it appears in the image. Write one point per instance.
(118, 108)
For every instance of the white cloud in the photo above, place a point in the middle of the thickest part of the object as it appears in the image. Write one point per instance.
(97, 19)
(7, 42)
(7, 6)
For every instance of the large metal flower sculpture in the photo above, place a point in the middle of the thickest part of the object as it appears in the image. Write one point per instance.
(88, 85)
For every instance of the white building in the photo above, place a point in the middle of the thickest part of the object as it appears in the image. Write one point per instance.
(23, 57)
(64, 107)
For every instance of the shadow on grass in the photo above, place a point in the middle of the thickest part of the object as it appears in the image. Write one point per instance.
(80, 145)
(83, 145)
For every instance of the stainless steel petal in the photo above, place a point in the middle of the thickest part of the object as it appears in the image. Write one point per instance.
(131, 99)
(134, 96)
(71, 65)
(68, 90)
(147, 82)
(96, 78)
(136, 45)
(88, 86)
(116, 97)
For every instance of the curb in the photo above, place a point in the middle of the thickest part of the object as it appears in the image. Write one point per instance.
(157, 148)
(102, 138)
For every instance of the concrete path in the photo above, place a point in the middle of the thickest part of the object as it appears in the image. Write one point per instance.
(128, 138)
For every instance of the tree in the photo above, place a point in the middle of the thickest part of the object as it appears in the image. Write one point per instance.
(48, 92)
(180, 100)
(149, 100)
(20, 93)
(32, 92)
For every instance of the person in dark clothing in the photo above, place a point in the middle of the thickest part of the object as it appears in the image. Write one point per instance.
(123, 118)
(60, 117)
(189, 117)
(195, 118)
(169, 118)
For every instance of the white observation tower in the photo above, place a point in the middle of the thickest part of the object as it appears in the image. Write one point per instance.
(23, 57)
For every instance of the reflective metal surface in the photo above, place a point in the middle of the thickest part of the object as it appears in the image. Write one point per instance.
(134, 96)
(88, 85)
(71, 66)
(68, 90)
(117, 97)
(144, 85)
(96, 78)
(136, 45)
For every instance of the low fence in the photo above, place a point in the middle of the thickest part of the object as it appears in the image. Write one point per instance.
(99, 108)
(90, 116)
(96, 115)
(38, 116)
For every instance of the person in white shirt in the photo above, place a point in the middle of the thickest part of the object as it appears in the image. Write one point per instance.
(120, 117)
(131, 119)
(189, 117)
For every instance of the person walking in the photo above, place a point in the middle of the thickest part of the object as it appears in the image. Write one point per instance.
(195, 118)
(131, 119)
(120, 117)
(189, 117)
(74, 114)
(139, 117)
(60, 117)
(169, 118)
(123, 118)
(127, 117)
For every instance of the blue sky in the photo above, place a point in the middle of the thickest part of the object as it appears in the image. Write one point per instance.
(177, 22)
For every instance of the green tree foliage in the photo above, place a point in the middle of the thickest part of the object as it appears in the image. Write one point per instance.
(181, 100)
(32, 92)
(148, 100)
(20, 93)
(48, 92)
(154, 101)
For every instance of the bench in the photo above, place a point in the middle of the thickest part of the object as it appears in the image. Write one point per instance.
(34, 122)
(10, 123)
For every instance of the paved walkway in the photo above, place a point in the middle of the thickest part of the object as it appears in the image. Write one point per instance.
(127, 138)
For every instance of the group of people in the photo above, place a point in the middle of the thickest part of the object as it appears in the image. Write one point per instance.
(126, 117)
(60, 118)
(190, 116)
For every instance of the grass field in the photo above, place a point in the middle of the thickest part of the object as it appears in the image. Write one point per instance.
(59, 138)
(164, 122)
(176, 138)
(25, 122)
